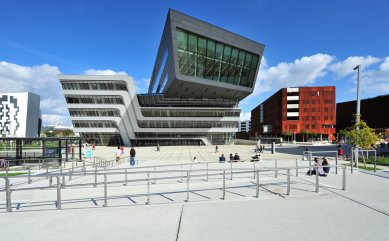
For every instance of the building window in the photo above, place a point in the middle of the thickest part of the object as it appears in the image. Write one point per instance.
(202, 57)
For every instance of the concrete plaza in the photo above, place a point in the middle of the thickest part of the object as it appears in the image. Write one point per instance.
(361, 212)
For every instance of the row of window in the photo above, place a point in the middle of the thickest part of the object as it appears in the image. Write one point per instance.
(191, 113)
(94, 100)
(94, 86)
(325, 109)
(326, 101)
(183, 124)
(318, 93)
(94, 124)
(314, 118)
(95, 112)
(206, 58)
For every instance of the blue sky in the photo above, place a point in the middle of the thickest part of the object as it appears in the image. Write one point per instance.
(308, 43)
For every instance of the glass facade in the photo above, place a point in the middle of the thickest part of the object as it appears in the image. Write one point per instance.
(99, 99)
(94, 85)
(202, 57)
(190, 113)
(94, 124)
(107, 139)
(94, 112)
(186, 124)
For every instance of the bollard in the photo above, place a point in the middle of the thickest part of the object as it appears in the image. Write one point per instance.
(59, 205)
(60, 168)
(375, 161)
(187, 186)
(39, 165)
(72, 165)
(231, 169)
(297, 168)
(182, 175)
(83, 166)
(47, 171)
(288, 182)
(29, 175)
(257, 186)
(207, 171)
(50, 181)
(351, 159)
(344, 179)
(8, 194)
(224, 185)
(275, 169)
(70, 175)
(317, 180)
(95, 176)
(336, 163)
(105, 190)
(309, 160)
(125, 178)
(148, 188)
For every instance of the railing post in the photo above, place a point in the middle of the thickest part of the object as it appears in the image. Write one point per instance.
(257, 184)
(105, 190)
(83, 166)
(224, 185)
(288, 182)
(187, 186)
(39, 164)
(297, 168)
(148, 188)
(207, 171)
(8, 194)
(70, 175)
(336, 163)
(29, 175)
(231, 169)
(63, 182)
(59, 205)
(317, 180)
(275, 169)
(95, 176)
(125, 178)
(344, 179)
(155, 180)
(254, 172)
(50, 181)
(60, 168)
(47, 171)
(182, 175)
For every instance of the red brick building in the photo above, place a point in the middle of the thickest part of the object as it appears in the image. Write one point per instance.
(298, 111)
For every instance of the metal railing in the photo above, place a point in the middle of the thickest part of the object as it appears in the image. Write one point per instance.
(190, 173)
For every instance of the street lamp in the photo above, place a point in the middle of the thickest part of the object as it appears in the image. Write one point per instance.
(358, 67)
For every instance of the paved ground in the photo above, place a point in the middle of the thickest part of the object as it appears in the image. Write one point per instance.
(359, 213)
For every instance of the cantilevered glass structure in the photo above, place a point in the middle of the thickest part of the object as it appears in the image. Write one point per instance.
(201, 73)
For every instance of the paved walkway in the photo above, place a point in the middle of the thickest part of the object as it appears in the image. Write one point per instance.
(359, 213)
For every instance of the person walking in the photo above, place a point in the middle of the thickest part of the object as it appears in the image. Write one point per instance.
(158, 147)
(132, 156)
(118, 155)
(195, 160)
(216, 149)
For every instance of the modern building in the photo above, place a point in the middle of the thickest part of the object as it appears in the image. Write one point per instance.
(244, 126)
(297, 111)
(20, 114)
(201, 73)
(373, 112)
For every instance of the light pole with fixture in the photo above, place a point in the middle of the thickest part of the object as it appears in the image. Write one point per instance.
(358, 117)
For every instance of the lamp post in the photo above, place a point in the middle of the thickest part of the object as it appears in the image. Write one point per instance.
(358, 117)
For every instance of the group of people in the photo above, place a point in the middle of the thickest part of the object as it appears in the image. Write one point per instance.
(233, 158)
(321, 169)
(119, 154)
(260, 148)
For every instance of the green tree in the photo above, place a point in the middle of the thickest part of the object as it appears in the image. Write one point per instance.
(303, 133)
(364, 138)
(287, 135)
(67, 133)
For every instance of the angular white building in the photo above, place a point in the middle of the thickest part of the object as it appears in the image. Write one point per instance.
(19, 114)
(201, 73)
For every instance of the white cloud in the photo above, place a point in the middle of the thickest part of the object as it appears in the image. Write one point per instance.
(245, 116)
(298, 73)
(41, 80)
(142, 86)
(103, 72)
(53, 119)
(376, 80)
(345, 67)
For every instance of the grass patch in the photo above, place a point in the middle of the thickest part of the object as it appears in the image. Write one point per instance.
(13, 174)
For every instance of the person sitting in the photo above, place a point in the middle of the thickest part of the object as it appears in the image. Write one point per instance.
(325, 165)
(236, 157)
(195, 160)
(231, 157)
(340, 153)
(222, 158)
(255, 158)
(317, 169)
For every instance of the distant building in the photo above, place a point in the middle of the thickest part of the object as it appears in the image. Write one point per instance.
(244, 126)
(20, 115)
(297, 111)
(374, 111)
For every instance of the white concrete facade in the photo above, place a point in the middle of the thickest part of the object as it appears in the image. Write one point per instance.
(19, 114)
